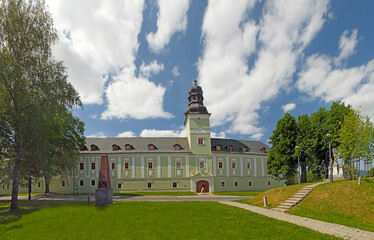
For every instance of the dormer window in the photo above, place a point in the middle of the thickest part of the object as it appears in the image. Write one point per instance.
(244, 149)
(177, 147)
(94, 147)
(128, 147)
(263, 150)
(229, 148)
(115, 147)
(151, 147)
(218, 148)
(83, 148)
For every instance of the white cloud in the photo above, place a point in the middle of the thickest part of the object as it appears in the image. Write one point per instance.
(134, 97)
(151, 69)
(97, 135)
(126, 134)
(347, 46)
(96, 37)
(288, 107)
(172, 17)
(218, 135)
(320, 78)
(163, 133)
(93, 116)
(235, 91)
(175, 71)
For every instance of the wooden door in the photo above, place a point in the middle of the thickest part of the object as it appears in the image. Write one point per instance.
(202, 185)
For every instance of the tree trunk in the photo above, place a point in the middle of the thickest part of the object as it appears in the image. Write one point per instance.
(303, 174)
(29, 183)
(46, 185)
(17, 164)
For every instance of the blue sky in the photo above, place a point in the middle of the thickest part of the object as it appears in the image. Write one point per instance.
(132, 62)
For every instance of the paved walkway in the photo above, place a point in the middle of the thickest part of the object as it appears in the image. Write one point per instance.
(320, 226)
(209, 197)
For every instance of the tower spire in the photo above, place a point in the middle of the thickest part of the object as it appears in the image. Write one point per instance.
(195, 100)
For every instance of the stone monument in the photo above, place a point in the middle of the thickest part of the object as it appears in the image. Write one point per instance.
(337, 169)
(104, 192)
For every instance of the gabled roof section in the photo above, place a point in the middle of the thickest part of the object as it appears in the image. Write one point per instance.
(163, 144)
(237, 145)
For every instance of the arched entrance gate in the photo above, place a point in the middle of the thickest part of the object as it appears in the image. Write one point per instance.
(202, 186)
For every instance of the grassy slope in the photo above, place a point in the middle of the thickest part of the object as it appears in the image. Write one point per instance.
(342, 202)
(238, 193)
(275, 196)
(144, 220)
(156, 194)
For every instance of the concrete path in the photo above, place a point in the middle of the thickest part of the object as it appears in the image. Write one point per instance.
(320, 226)
(208, 197)
(296, 198)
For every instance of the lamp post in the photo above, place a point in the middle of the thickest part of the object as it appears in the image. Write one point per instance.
(298, 165)
(330, 160)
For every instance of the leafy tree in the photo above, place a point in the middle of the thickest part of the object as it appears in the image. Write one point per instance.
(356, 139)
(29, 75)
(306, 151)
(281, 161)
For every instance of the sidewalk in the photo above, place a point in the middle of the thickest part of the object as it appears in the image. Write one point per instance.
(320, 226)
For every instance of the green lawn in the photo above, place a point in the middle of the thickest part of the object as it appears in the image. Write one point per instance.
(156, 194)
(238, 193)
(142, 220)
(342, 202)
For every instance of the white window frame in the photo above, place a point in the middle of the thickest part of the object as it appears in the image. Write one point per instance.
(224, 184)
(81, 180)
(128, 165)
(234, 162)
(172, 185)
(148, 185)
(119, 183)
(94, 165)
(251, 184)
(176, 165)
(111, 166)
(250, 165)
(269, 183)
(80, 166)
(200, 164)
(148, 165)
(222, 165)
(63, 183)
(94, 182)
(235, 183)
(200, 143)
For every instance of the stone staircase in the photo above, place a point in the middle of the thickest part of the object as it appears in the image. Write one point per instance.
(296, 198)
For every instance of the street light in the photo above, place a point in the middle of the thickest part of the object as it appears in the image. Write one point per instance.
(330, 160)
(298, 164)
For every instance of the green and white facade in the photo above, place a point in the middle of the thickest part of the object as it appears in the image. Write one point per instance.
(193, 163)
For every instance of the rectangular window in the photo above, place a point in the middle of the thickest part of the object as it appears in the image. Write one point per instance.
(81, 183)
(248, 165)
(93, 166)
(150, 165)
(149, 185)
(93, 182)
(175, 185)
(200, 141)
(81, 166)
(269, 183)
(223, 184)
(178, 165)
(39, 184)
(236, 184)
(249, 184)
(119, 185)
(220, 164)
(233, 164)
(126, 165)
(202, 164)
(63, 183)
(113, 165)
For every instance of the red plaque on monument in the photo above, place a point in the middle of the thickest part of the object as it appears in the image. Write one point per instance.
(104, 192)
